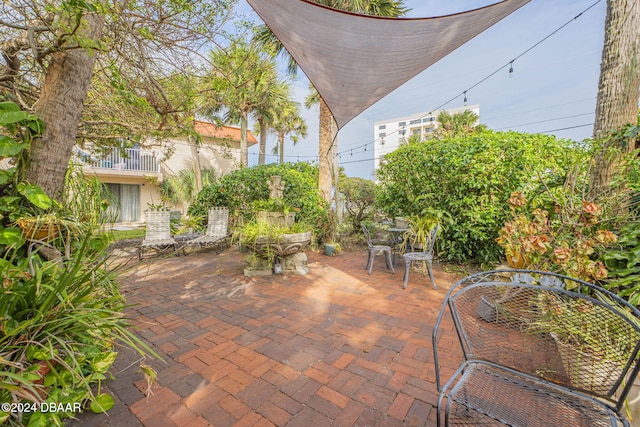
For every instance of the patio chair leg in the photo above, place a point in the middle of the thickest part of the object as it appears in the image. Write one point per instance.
(407, 267)
(140, 255)
(429, 268)
(370, 263)
(387, 256)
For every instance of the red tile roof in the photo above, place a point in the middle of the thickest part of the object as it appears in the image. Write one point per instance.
(222, 132)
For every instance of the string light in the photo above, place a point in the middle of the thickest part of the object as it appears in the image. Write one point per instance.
(510, 63)
(465, 97)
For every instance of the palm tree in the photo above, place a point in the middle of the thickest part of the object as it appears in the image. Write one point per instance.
(618, 92)
(288, 122)
(452, 125)
(240, 83)
(264, 37)
(266, 113)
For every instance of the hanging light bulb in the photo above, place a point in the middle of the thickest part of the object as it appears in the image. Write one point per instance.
(511, 69)
(465, 97)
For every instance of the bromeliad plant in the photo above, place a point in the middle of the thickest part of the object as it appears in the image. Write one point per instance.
(571, 242)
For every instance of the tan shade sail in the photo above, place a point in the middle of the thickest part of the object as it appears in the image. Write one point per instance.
(355, 60)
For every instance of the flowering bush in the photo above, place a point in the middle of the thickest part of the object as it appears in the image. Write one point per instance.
(570, 242)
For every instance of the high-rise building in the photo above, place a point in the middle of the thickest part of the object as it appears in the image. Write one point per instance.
(390, 134)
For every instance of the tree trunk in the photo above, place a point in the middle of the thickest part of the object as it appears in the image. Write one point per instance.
(324, 153)
(197, 167)
(263, 141)
(244, 153)
(618, 90)
(281, 146)
(60, 107)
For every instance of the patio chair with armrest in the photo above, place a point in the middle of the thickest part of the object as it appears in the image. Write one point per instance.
(217, 228)
(425, 256)
(158, 233)
(518, 367)
(374, 250)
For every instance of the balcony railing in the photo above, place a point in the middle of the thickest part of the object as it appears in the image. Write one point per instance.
(129, 159)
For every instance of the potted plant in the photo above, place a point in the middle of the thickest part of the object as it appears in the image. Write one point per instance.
(332, 249)
(593, 345)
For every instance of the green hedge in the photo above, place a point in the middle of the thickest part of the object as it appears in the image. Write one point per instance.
(470, 178)
(239, 189)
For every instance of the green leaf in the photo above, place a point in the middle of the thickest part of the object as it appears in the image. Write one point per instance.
(103, 361)
(10, 147)
(35, 195)
(9, 236)
(102, 403)
(8, 117)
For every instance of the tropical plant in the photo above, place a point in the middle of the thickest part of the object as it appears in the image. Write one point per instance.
(571, 242)
(288, 121)
(240, 83)
(623, 263)
(182, 188)
(458, 124)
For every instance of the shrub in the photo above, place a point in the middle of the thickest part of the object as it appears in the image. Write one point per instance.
(239, 190)
(359, 197)
(469, 178)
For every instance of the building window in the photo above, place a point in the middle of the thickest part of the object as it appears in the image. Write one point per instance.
(413, 122)
(402, 124)
(416, 132)
(127, 202)
(382, 127)
(402, 132)
(382, 134)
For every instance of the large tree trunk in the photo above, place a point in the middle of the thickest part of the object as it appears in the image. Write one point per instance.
(60, 107)
(244, 152)
(197, 167)
(618, 90)
(263, 141)
(324, 154)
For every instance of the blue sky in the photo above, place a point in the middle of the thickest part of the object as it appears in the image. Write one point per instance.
(553, 86)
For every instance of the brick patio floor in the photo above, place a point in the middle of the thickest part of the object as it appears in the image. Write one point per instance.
(335, 347)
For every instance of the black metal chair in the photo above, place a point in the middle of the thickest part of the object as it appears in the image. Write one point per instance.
(539, 349)
(374, 250)
(426, 257)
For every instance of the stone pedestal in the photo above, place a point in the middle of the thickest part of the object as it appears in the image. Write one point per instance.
(287, 248)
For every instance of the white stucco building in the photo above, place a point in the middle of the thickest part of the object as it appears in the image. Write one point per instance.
(390, 134)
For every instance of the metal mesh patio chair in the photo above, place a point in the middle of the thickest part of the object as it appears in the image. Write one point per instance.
(374, 250)
(158, 233)
(426, 257)
(538, 349)
(217, 228)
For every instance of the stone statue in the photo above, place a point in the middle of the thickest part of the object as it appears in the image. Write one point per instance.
(276, 187)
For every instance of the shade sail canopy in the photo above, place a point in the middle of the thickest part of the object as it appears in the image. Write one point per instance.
(355, 60)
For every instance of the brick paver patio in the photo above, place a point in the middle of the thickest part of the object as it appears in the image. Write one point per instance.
(335, 347)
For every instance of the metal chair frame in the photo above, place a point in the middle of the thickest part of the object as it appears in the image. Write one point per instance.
(374, 250)
(510, 373)
(425, 256)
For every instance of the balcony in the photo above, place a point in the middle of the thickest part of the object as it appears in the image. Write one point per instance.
(128, 159)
